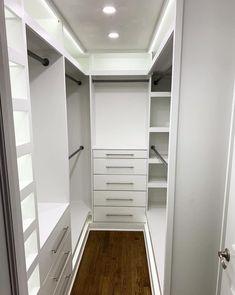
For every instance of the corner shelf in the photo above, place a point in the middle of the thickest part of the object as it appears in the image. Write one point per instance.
(155, 182)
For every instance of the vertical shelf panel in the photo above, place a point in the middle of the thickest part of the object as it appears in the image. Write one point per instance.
(18, 80)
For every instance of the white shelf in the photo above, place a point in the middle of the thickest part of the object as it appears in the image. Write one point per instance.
(159, 129)
(155, 160)
(160, 94)
(79, 212)
(48, 215)
(155, 182)
(156, 217)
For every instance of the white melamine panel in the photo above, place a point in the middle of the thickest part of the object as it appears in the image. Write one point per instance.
(120, 182)
(34, 282)
(22, 127)
(119, 198)
(160, 112)
(120, 166)
(25, 170)
(119, 214)
(31, 249)
(49, 118)
(125, 154)
(120, 115)
(28, 211)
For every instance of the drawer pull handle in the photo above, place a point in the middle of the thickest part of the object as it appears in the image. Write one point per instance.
(120, 167)
(65, 229)
(113, 183)
(121, 215)
(63, 264)
(116, 199)
(119, 155)
(66, 282)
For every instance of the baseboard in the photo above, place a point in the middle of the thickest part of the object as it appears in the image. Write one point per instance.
(117, 226)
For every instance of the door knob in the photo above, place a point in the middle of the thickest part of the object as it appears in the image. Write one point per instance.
(224, 257)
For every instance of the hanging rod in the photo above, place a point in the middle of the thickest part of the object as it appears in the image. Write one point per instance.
(162, 75)
(73, 79)
(77, 151)
(159, 156)
(44, 61)
(120, 81)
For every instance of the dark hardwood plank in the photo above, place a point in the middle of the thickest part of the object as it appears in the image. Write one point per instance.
(113, 263)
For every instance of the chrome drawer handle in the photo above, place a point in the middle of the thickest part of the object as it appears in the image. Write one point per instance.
(113, 183)
(61, 268)
(65, 229)
(122, 215)
(116, 199)
(66, 282)
(121, 167)
(119, 155)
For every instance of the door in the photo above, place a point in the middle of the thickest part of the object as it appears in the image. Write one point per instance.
(227, 253)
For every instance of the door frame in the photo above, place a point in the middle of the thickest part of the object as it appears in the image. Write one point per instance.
(227, 190)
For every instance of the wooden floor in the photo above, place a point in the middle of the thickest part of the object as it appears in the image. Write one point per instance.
(113, 263)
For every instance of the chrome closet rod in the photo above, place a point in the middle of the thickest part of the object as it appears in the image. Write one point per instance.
(159, 155)
(44, 61)
(73, 79)
(77, 151)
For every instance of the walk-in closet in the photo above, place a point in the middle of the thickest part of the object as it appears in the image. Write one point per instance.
(118, 141)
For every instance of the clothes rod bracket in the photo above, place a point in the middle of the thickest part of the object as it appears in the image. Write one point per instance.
(44, 61)
(73, 79)
(77, 151)
(159, 156)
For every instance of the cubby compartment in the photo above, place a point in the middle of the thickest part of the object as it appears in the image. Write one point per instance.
(157, 197)
(25, 170)
(28, 211)
(157, 176)
(45, 15)
(31, 249)
(18, 78)
(34, 282)
(14, 27)
(161, 143)
(160, 112)
(22, 127)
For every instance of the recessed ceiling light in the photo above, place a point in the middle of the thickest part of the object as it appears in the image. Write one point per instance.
(109, 9)
(113, 35)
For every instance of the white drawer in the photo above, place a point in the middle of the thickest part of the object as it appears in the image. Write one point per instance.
(120, 182)
(119, 198)
(51, 249)
(120, 166)
(65, 281)
(119, 214)
(54, 277)
(141, 154)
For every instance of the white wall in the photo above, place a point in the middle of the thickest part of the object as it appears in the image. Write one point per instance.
(207, 77)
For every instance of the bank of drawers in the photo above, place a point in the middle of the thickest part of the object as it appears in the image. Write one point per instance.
(120, 183)
(56, 259)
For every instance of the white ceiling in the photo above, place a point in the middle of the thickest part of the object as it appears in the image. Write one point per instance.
(135, 21)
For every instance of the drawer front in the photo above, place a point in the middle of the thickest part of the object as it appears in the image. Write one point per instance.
(119, 198)
(125, 154)
(50, 251)
(65, 281)
(120, 166)
(56, 273)
(119, 214)
(120, 182)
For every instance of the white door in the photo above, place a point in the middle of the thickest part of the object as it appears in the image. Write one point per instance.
(227, 253)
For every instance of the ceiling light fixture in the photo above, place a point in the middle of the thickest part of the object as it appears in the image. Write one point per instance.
(109, 10)
(113, 35)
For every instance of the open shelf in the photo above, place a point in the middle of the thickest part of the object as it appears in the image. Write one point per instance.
(155, 160)
(28, 211)
(79, 212)
(156, 94)
(18, 80)
(157, 176)
(34, 282)
(157, 182)
(156, 218)
(161, 142)
(22, 127)
(31, 249)
(25, 171)
(159, 129)
(49, 215)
